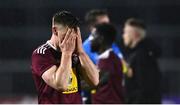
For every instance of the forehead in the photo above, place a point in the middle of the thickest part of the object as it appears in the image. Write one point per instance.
(60, 26)
(130, 28)
(102, 19)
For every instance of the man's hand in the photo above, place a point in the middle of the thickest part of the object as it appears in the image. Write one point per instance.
(68, 44)
(79, 47)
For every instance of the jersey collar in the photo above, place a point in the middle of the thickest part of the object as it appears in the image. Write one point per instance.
(48, 42)
(105, 54)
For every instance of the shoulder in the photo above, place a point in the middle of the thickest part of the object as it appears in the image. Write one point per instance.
(107, 61)
(42, 49)
(86, 42)
(115, 58)
(117, 50)
(114, 45)
(41, 53)
(42, 57)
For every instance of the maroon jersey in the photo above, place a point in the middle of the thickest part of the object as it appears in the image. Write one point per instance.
(112, 91)
(43, 58)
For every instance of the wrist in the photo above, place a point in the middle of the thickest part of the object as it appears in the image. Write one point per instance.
(67, 53)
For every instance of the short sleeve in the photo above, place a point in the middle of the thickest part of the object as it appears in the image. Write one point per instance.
(41, 63)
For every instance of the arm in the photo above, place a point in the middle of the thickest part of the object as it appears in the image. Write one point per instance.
(88, 69)
(57, 77)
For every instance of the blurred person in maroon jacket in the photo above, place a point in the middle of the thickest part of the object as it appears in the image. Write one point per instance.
(144, 85)
(110, 89)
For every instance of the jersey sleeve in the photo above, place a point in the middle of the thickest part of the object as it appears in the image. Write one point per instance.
(41, 63)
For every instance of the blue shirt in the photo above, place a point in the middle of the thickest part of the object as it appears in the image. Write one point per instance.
(94, 56)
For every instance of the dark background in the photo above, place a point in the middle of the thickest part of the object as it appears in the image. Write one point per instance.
(25, 24)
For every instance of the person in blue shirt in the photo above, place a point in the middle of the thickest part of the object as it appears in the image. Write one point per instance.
(93, 18)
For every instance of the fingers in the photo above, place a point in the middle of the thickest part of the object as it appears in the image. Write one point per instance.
(73, 40)
(78, 31)
(73, 37)
(72, 32)
(69, 42)
(68, 33)
(79, 34)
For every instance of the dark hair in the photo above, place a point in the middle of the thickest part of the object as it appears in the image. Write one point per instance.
(91, 16)
(135, 23)
(108, 31)
(66, 18)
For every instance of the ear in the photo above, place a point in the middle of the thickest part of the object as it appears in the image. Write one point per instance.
(54, 31)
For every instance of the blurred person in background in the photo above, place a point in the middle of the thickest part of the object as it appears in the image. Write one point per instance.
(144, 85)
(92, 18)
(110, 89)
(58, 64)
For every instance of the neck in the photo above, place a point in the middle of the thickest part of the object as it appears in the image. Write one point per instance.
(53, 41)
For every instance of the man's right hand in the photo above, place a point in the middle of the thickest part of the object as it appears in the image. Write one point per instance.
(58, 77)
(68, 44)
